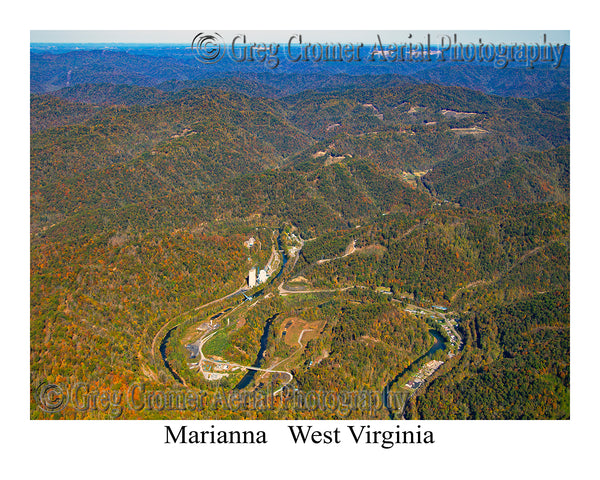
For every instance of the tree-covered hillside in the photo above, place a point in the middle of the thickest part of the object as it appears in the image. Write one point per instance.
(151, 200)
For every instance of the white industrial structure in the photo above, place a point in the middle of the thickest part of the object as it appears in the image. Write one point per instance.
(252, 278)
(256, 276)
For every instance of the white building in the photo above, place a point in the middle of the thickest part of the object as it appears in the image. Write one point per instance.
(252, 278)
(262, 276)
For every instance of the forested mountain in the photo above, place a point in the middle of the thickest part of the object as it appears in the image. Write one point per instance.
(48, 111)
(110, 94)
(388, 194)
(482, 183)
(521, 369)
(513, 82)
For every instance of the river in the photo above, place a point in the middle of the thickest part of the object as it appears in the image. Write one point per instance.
(163, 354)
(264, 340)
(283, 256)
(438, 345)
(249, 376)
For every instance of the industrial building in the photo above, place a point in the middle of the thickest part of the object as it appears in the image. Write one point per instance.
(252, 278)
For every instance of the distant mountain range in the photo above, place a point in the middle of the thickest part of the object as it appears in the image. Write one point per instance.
(169, 68)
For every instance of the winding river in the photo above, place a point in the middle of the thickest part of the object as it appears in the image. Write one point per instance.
(264, 340)
(438, 345)
(163, 354)
(250, 374)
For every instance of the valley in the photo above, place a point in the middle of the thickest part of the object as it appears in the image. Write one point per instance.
(302, 233)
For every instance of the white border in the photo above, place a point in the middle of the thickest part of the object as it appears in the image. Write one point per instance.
(463, 449)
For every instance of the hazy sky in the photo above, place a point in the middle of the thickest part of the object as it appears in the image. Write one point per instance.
(365, 36)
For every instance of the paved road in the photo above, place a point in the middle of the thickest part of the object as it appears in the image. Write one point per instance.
(302, 333)
(350, 249)
(166, 324)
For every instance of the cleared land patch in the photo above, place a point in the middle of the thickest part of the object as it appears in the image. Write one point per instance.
(457, 115)
(293, 327)
(374, 250)
(469, 131)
